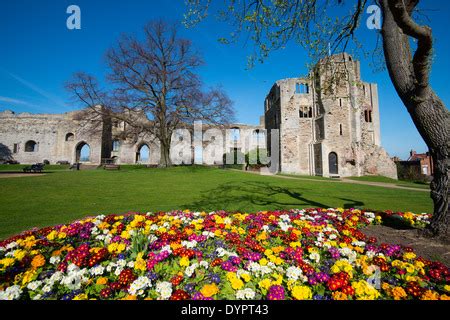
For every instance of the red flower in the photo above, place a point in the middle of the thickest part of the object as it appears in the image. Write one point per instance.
(180, 295)
(126, 277)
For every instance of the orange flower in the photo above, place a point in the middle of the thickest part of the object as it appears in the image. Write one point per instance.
(38, 261)
(102, 281)
(209, 290)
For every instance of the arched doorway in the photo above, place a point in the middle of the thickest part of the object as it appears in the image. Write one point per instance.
(333, 163)
(83, 152)
(143, 154)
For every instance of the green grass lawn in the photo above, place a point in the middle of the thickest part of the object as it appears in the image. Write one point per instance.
(64, 196)
(410, 184)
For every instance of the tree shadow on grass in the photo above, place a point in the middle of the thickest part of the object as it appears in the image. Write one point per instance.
(251, 195)
(352, 204)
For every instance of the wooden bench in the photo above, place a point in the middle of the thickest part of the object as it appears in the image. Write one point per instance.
(111, 167)
(36, 168)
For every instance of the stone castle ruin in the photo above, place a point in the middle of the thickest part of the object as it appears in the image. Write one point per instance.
(324, 128)
(329, 122)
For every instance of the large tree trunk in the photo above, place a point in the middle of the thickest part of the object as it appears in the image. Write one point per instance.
(410, 75)
(165, 161)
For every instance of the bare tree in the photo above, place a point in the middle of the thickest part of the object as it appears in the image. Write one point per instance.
(272, 24)
(154, 87)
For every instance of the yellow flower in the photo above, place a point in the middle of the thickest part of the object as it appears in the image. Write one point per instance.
(430, 295)
(129, 297)
(246, 277)
(364, 291)
(447, 288)
(236, 283)
(398, 293)
(339, 296)
(19, 254)
(278, 249)
(28, 277)
(342, 265)
(102, 281)
(52, 235)
(302, 293)
(409, 255)
(262, 236)
(445, 297)
(265, 284)
(82, 296)
(263, 262)
(38, 261)
(184, 262)
(209, 290)
(410, 268)
(62, 235)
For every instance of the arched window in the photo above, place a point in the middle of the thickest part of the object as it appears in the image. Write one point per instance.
(70, 136)
(235, 134)
(143, 153)
(83, 152)
(30, 146)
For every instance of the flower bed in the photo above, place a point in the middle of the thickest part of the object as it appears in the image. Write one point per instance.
(296, 254)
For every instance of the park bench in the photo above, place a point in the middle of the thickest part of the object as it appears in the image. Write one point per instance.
(36, 168)
(111, 167)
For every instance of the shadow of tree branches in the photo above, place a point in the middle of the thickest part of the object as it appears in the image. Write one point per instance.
(252, 195)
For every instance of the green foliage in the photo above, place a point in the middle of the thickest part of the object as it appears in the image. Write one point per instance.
(139, 243)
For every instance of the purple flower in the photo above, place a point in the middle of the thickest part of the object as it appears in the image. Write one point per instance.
(276, 293)
(228, 266)
(215, 278)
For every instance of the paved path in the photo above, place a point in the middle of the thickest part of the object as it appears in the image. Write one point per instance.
(367, 183)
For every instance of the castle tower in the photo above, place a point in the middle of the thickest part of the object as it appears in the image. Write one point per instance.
(329, 122)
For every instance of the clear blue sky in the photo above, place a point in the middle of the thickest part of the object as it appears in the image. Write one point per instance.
(38, 54)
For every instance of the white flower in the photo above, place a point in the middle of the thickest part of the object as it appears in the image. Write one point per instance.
(55, 260)
(11, 293)
(37, 297)
(332, 236)
(189, 244)
(121, 263)
(47, 288)
(97, 271)
(118, 271)
(34, 285)
(293, 273)
(139, 285)
(245, 294)
(164, 289)
(75, 277)
(190, 270)
(254, 267)
(130, 264)
(315, 256)
(11, 245)
(284, 226)
(265, 270)
(204, 264)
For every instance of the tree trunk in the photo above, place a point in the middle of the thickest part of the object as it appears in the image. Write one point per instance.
(165, 161)
(409, 74)
(431, 119)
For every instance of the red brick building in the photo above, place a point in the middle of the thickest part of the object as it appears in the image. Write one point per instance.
(423, 161)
